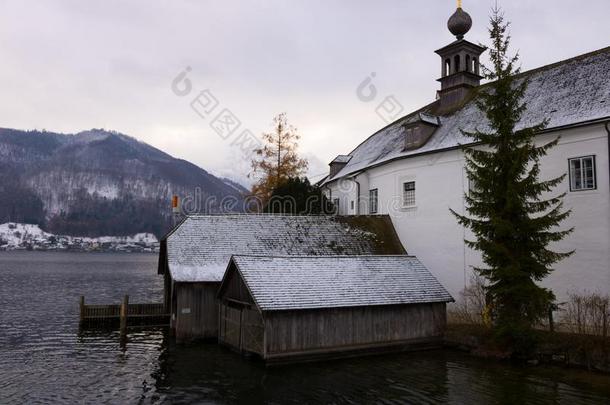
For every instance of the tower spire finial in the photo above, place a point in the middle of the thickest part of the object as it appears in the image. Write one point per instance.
(460, 22)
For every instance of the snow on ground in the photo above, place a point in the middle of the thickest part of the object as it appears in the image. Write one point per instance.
(14, 235)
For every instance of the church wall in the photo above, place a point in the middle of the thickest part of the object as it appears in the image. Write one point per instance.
(589, 267)
(430, 232)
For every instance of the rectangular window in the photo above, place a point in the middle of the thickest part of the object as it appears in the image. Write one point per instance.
(352, 205)
(471, 187)
(373, 201)
(408, 194)
(582, 173)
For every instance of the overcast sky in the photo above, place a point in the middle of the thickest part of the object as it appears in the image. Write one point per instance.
(73, 65)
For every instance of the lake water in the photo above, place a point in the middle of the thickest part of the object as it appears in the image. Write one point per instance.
(44, 358)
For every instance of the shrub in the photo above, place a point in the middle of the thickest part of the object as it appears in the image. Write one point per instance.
(587, 314)
(470, 307)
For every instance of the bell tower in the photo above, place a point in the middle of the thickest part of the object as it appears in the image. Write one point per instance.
(459, 63)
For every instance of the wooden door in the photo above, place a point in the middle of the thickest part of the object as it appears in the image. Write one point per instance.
(231, 326)
(252, 331)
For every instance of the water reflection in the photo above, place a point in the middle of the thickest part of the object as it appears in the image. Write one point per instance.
(212, 373)
(44, 358)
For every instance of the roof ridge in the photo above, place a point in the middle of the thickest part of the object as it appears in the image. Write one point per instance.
(354, 167)
(269, 214)
(562, 62)
(320, 256)
(546, 67)
(394, 122)
(254, 214)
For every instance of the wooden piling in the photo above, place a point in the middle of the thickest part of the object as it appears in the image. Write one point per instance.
(124, 308)
(82, 308)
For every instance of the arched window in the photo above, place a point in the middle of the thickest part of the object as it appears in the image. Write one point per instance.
(447, 67)
(468, 65)
(475, 66)
(456, 62)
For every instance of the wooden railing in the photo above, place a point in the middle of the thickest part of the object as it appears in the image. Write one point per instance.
(145, 310)
(123, 314)
(100, 311)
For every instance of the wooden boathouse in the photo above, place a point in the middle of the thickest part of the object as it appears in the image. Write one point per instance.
(194, 256)
(305, 308)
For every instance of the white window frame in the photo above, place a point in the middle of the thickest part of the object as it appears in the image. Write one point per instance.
(471, 187)
(373, 201)
(572, 176)
(413, 203)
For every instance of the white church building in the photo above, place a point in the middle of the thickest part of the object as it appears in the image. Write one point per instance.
(413, 169)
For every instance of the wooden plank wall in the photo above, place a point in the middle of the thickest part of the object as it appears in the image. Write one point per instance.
(167, 289)
(253, 330)
(196, 311)
(241, 328)
(229, 331)
(241, 324)
(298, 331)
(235, 288)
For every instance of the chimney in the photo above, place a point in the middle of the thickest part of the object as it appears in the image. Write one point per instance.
(459, 64)
(175, 210)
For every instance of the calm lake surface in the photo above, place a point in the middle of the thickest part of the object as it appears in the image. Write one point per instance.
(44, 358)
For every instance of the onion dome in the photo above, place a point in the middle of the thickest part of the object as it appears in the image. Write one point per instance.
(459, 23)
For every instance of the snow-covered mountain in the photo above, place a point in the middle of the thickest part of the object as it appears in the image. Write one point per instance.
(235, 185)
(98, 182)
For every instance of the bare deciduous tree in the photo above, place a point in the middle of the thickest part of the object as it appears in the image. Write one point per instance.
(278, 160)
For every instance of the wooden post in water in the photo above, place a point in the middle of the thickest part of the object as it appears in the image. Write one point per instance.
(82, 308)
(123, 326)
(124, 306)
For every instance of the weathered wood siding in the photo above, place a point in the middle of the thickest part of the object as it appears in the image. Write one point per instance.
(167, 291)
(235, 288)
(196, 311)
(342, 328)
(279, 335)
(229, 328)
(241, 324)
(242, 328)
(253, 331)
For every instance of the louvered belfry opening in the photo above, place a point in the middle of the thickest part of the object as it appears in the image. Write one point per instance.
(459, 64)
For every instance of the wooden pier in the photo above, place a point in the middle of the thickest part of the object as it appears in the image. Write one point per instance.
(122, 315)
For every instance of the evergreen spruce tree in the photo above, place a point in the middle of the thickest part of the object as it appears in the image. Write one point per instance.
(510, 213)
(297, 196)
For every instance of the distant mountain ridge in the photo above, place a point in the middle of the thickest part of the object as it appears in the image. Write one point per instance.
(96, 182)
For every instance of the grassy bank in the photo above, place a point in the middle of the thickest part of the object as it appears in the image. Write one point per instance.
(558, 348)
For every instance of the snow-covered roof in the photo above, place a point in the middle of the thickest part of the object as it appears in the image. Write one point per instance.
(428, 118)
(199, 249)
(570, 92)
(283, 283)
